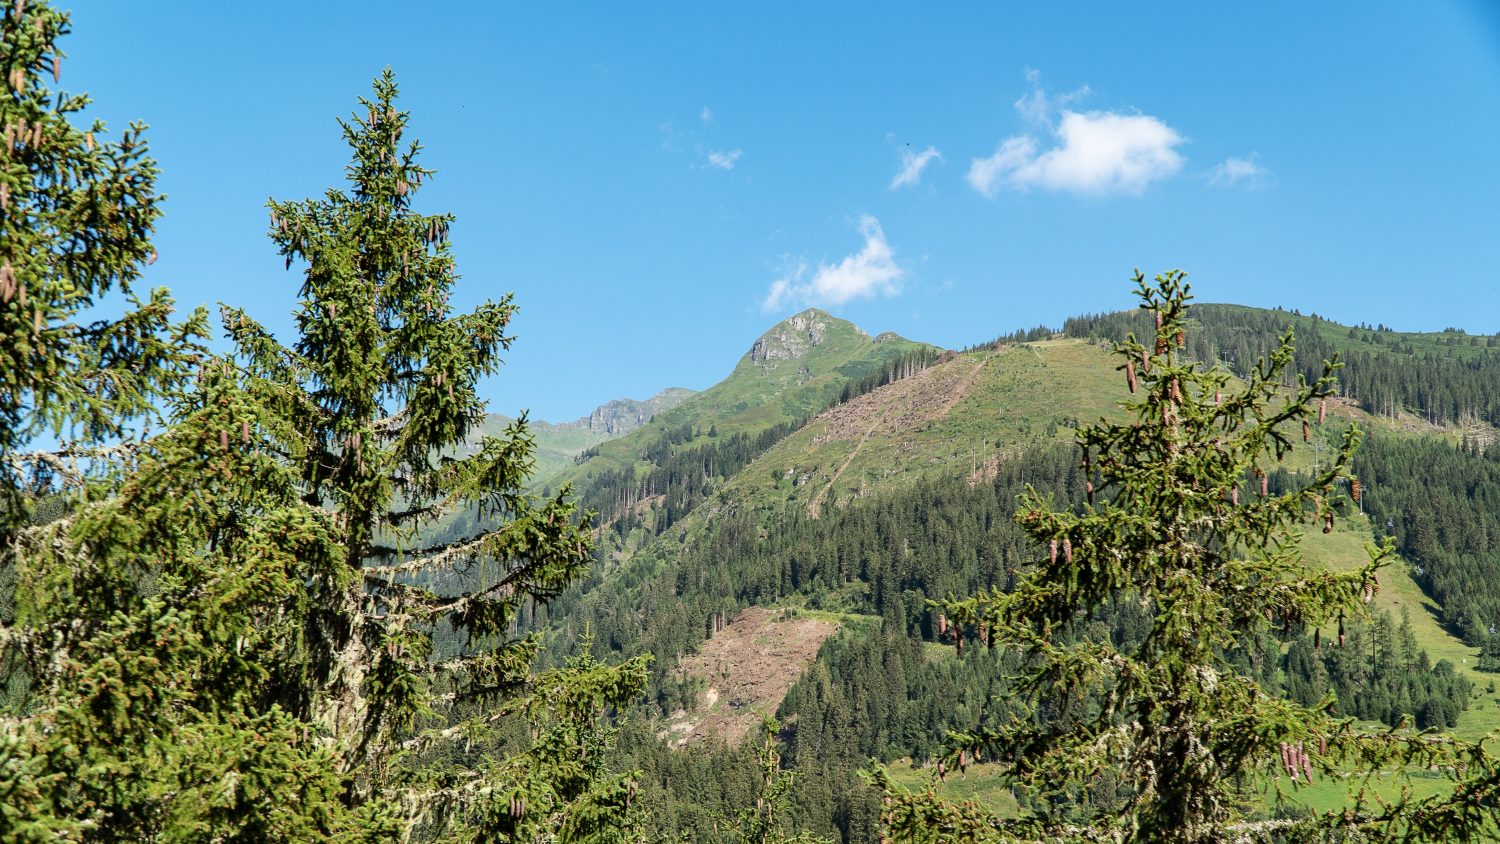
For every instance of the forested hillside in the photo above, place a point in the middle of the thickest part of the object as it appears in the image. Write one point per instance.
(881, 503)
(1447, 378)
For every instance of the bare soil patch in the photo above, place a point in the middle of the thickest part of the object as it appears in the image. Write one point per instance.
(749, 666)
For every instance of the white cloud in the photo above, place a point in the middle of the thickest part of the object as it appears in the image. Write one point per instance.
(912, 165)
(1244, 173)
(872, 271)
(706, 115)
(720, 160)
(1097, 152)
(1038, 107)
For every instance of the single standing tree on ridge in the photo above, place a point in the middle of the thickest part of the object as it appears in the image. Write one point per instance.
(1179, 519)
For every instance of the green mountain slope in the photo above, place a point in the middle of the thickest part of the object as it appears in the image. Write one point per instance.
(797, 368)
(558, 444)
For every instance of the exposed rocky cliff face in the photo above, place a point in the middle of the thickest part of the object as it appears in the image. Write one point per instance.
(624, 415)
(792, 337)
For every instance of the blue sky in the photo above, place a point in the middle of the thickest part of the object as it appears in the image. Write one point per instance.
(660, 183)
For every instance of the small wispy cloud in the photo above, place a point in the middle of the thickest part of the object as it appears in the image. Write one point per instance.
(1244, 173)
(912, 165)
(695, 141)
(723, 160)
(872, 271)
(1038, 106)
(1097, 152)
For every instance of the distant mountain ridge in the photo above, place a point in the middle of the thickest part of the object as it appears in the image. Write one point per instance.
(621, 416)
(558, 444)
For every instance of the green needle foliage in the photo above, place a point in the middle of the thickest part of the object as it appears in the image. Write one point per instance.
(1154, 736)
(77, 208)
(370, 407)
(766, 822)
(231, 630)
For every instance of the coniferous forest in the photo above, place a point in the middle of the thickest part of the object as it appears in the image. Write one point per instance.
(1182, 573)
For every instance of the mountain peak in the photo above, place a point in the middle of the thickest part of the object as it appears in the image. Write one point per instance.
(624, 415)
(798, 334)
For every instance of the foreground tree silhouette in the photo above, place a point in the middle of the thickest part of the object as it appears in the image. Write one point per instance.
(1180, 522)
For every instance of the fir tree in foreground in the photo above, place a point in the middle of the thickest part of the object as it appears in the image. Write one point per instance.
(370, 407)
(231, 631)
(1157, 738)
(77, 208)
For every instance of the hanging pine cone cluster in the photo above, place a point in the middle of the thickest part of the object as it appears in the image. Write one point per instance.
(1296, 761)
(517, 806)
(1355, 491)
(7, 282)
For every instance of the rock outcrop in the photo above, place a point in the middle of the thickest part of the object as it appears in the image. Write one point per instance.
(792, 337)
(622, 416)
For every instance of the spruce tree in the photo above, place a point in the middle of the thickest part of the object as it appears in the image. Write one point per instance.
(1180, 522)
(376, 407)
(230, 630)
(122, 656)
(77, 208)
